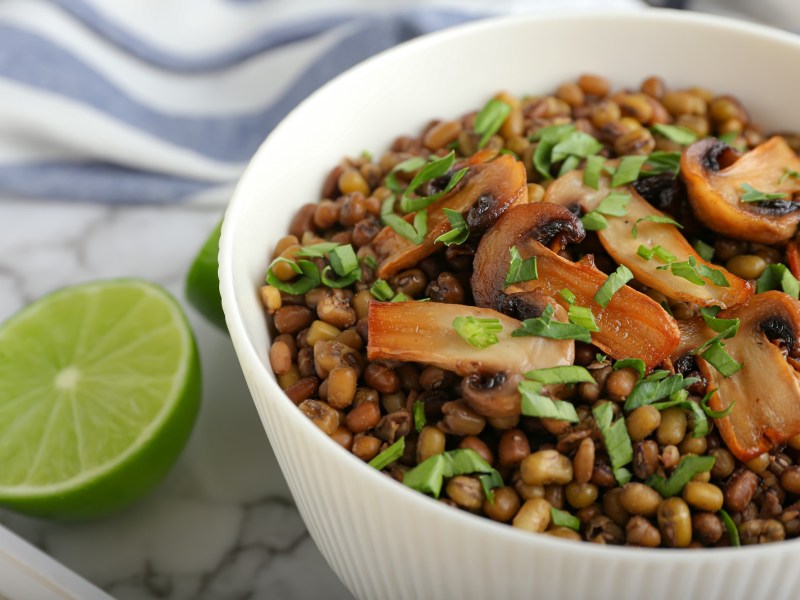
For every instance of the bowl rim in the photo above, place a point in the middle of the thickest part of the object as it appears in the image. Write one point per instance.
(246, 353)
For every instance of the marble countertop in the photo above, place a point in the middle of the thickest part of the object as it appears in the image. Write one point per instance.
(223, 524)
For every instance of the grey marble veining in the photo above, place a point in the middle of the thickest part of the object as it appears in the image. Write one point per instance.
(222, 525)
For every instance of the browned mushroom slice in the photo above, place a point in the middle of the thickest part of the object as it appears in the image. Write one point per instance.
(765, 393)
(486, 191)
(423, 332)
(618, 240)
(631, 325)
(717, 179)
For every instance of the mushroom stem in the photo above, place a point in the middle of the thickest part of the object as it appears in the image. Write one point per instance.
(715, 179)
(765, 392)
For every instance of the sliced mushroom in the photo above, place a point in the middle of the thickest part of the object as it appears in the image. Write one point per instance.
(423, 332)
(631, 325)
(618, 241)
(765, 393)
(486, 191)
(714, 175)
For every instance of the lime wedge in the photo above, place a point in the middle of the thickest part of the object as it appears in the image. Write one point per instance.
(99, 390)
(202, 281)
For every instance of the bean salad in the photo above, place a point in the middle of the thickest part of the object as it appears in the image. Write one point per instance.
(573, 313)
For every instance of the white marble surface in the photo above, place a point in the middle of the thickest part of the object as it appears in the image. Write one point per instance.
(222, 525)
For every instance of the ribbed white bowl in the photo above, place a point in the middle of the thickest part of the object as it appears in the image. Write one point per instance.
(384, 540)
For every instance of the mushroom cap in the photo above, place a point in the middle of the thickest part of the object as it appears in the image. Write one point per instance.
(491, 186)
(714, 176)
(765, 393)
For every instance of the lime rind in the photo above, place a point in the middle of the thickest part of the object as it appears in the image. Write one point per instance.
(143, 436)
(202, 281)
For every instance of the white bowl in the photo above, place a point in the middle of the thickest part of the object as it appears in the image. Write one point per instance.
(385, 540)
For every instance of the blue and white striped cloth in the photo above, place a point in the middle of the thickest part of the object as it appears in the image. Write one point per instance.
(165, 100)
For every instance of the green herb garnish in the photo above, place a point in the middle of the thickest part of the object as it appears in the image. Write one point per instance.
(591, 171)
(534, 404)
(479, 332)
(546, 326)
(459, 230)
(413, 233)
(730, 528)
(653, 219)
(568, 296)
(616, 440)
(407, 166)
(432, 170)
(711, 413)
(343, 260)
(778, 275)
(310, 277)
(788, 173)
(676, 133)
(681, 400)
(564, 374)
(561, 518)
(381, 290)
(419, 416)
(612, 285)
(390, 455)
(628, 170)
(489, 120)
(577, 144)
(705, 251)
(662, 162)
(428, 476)
(753, 195)
(520, 270)
(562, 143)
(694, 272)
(317, 250)
(659, 252)
(341, 282)
(594, 221)
(683, 473)
(637, 364)
(657, 385)
(583, 317)
(717, 357)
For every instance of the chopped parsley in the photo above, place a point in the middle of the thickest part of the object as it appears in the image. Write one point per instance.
(489, 120)
(459, 230)
(657, 385)
(628, 170)
(479, 332)
(689, 467)
(390, 455)
(612, 285)
(428, 476)
(675, 133)
(308, 280)
(753, 195)
(546, 326)
(653, 219)
(778, 275)
(616, 440)
(520, 270)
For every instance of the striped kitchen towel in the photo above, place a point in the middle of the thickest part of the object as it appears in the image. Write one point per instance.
(165, 100)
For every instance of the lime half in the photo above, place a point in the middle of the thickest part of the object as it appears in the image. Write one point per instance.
(202, 281)
(99, 390)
